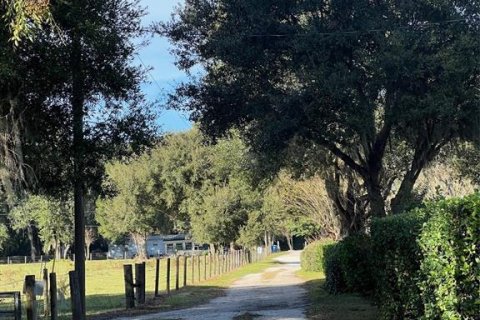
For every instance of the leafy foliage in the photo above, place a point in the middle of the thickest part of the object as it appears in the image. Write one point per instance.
(348, 265)
(450, 267)
(135, 208)
(334, 274)
(24, 17)
(183, 185)
(427, 263)
(3, 235)
(353, 91)
(36, 98)
(397, 264)
(313, 255)
(53, 218)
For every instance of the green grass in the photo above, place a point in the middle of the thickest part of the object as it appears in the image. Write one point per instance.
(106, 291)
(324, 306)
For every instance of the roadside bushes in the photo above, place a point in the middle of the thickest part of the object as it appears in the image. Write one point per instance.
(312, 255)
(450, 266)
(424, 264)
(348, 265)
(428, 261)
(397, 264)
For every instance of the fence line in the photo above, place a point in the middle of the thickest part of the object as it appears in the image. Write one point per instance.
(162, 276)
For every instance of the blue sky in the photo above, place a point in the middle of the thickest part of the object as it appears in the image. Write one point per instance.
(164, 75)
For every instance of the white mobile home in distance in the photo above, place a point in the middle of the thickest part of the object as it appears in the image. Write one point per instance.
(157, 245)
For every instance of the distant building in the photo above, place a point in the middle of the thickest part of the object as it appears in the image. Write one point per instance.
(157, 245)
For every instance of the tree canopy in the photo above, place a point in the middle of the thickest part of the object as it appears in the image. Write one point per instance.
(381, 86)
(185, 184)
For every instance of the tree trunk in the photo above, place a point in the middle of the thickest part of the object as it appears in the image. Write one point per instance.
(289, 241)
(31, 239)
(77, 103)
(58, 255)
(425, 152)
(212, 248)
(349, 204)
(87, 250)
(65, 252)
(375, 196)
(140, 242)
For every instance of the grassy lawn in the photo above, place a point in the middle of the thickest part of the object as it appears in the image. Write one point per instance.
(324, 306)
(105, 286)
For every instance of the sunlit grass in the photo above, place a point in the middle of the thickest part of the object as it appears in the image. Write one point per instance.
(105, 285)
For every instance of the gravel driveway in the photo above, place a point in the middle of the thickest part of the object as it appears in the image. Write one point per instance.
(276, 293)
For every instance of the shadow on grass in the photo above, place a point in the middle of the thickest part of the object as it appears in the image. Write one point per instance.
(286, 263)
(326, 306)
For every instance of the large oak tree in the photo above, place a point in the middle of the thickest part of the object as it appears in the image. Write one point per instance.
(381, 86)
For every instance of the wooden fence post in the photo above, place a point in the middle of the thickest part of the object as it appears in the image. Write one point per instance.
(177, 273)
(219, 260)
(229, 256)
(76, 301)
(140, 282)
(219, 263)
(168, 275)
(205, 267)
(129, 293)
(18, 306)
(31, 306)
(223, 264)
(193, 269)
(210, 263)
(185, 270)
(46, 300)
(198, 267)
(53, 296)
(157, 275)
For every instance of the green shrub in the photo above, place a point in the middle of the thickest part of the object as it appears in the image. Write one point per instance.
(334, 278)
(450, 242)
(397, 265)
(357, 263)
(348, 265)
(312, 255)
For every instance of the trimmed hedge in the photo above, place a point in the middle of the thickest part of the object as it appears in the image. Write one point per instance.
(348, 265)
(450, 243)
(397, 265)
(312, 256)
(424, 264)
(428, 261)
(334, 274)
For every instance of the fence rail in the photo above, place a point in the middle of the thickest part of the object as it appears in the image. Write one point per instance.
(47, 258)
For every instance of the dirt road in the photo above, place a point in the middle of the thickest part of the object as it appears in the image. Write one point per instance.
(276, 293)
